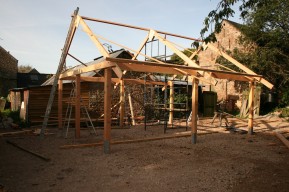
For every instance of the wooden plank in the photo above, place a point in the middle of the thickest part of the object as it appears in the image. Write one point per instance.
(238, 64)
(283, 139)
(251, 108)
(91, 67)
(194, 117)
(77, 106)
(140, 81)
(228, 76)
(131, 108)
(152, 67)
(115, 80)
(98, 79)
(60, 106)
(122, 100)
(194, 54)
(171, 105)
(93, 38)
(141, 47)
(107, 110)
(148, 69)
(129, 49)
(28, 151)
(16, 132)
(175, 50)
(174, 136)
(139, 28)
(99, 46)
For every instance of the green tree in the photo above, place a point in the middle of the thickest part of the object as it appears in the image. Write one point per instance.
(24, 68)
(267, 26)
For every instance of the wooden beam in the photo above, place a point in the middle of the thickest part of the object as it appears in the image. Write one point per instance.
(107, 111)
(194, 54)
(171, 106)
(131, 108)
(93, 66)
(77, 106)
(98, 79)
(113, 80)
(238, 64)
(139, 28)
(175, 50)
(141, 47)
(28, 151)
(127, 48)
(148, 69)
(282, 138)
(194, 118)
(60, 106)
(140, 81)
(121, 108)
(152, 67)
(99, 46)
(176, 135)
(251, 107)
(93, 38)
(70, 35)
(15, 133)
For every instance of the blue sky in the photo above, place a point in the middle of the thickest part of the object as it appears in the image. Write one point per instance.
(34, 31)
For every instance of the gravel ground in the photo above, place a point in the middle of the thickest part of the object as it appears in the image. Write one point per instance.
(224, 161)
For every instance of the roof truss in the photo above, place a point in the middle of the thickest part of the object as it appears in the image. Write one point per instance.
(120, 66)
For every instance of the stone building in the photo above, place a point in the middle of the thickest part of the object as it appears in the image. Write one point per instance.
(227, 40)
(8, 72)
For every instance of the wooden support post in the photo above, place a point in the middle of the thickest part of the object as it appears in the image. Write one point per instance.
(131, 108)
(107, 110)
(121, 108)
(77, 106)
(251, 107)
(60, 107)
(171, 110)
(194, 110)
(26, 103)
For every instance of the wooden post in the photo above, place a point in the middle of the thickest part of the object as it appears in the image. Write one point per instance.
(107, 110)
(121, 108)
(77, 106)
(131, 108)
(171, 111)
(194, 110)
(60, 107)
(251, 107)
(26, 103)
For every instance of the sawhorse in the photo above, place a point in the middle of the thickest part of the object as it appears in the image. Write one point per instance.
(221, 117)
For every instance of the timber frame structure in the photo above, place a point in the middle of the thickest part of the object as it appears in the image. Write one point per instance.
(193, 71)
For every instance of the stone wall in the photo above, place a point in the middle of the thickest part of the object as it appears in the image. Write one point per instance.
(227, 40)
(8, 72)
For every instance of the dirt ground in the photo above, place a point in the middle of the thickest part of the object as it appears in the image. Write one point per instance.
(222, 160)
